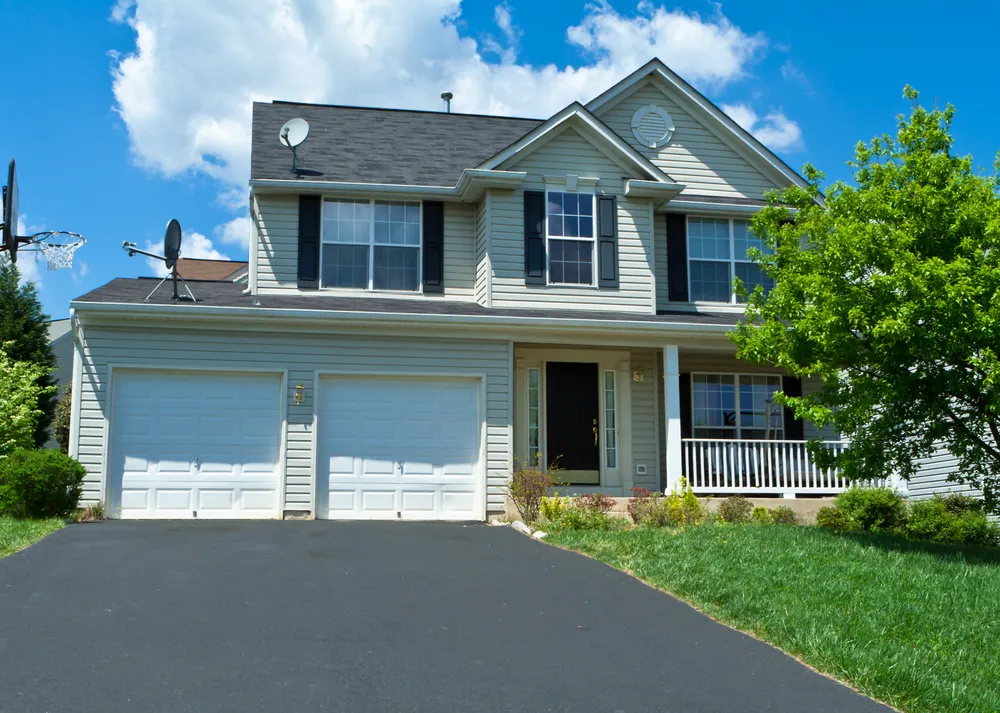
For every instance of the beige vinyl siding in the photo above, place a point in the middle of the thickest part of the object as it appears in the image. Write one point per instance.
(695, 156)
(570, 154)
(645, 421)
(301, 355)
(278, 256)
(932, 474)
(483, 269)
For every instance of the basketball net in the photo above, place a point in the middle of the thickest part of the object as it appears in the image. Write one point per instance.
(57, 247)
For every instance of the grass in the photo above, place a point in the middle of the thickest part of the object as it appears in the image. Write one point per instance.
(17, 534)
(912, 624)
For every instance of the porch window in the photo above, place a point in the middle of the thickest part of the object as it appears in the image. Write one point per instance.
(718, 250)
(371, 245)
(534, 409)
(569, 229)
(610, 422)
(736, 406)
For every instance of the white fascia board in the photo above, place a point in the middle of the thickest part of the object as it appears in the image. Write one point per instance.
(475, 181)
(275, 185)
(652, 189)
(578, 112)
(498, 324)
(676, 206)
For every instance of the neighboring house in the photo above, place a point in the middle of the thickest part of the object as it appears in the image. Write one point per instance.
(61, 342)
(445, 296)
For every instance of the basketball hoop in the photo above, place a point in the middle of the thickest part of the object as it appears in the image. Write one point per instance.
(56, 246)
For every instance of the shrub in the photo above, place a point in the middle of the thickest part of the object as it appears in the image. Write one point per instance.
(958, 503)
(22, 390)
(939, 520)
(552, 508)
(527, 486)
(784, 515)
(761, 515)
(736, 509)
(639, 502)
(60, 424)
(873, 509)
(835, 519)
(576, 517)
(598, 502)
(678, 509)
(43, 483)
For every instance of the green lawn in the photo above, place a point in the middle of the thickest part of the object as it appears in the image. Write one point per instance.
(911, 624)
(17, 534)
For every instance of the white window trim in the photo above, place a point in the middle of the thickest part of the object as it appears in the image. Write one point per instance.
(610, 444)
(737, 376)
(536, 459)
(732, 257)
(371, 248)
(592, 240)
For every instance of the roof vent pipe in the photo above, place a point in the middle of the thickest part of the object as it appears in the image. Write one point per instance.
(447, 96)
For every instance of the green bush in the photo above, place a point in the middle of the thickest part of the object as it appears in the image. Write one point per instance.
(736, 509)
(576, 517)
(958, 503)
(761, 515)
(784, 515)
(678, 509)
(527, 486)
(552, 508)
(835, 519)
(43, 483)
(952, 521)
(873, 509)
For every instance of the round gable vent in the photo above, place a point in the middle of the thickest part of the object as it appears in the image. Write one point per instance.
(652, 126)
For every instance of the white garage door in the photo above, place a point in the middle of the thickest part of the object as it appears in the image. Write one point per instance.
(202, 445)
(403, 448)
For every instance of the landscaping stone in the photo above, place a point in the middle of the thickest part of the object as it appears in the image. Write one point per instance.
(521, 527)
(539, 535)
(497, 523)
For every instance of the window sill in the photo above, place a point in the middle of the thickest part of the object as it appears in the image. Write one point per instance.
(371, 293)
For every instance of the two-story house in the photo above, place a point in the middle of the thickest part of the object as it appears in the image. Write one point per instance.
(441, 296)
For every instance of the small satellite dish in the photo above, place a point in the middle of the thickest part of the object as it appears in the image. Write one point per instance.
(294, 132)
(9, 239)
(172, 243)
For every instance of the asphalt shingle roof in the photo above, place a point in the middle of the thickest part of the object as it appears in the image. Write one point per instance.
(124, 290)
(390, 146)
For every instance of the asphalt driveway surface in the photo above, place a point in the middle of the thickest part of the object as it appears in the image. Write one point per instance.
(325, 616)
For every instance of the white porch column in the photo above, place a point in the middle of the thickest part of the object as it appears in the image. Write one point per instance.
(672, 413)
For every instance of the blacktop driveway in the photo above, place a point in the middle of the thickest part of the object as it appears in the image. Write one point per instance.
(326, 616)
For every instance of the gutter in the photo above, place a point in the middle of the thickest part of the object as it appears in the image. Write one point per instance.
(470, 185)
(379, 319)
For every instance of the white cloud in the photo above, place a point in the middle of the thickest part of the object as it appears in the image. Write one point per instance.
(193, 245)
(185, 92)
(774, 130)
(235, 232)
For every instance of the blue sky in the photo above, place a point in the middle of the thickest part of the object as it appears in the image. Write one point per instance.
(118, 167)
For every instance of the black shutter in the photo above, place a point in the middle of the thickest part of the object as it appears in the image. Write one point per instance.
(677, 276)
(794, 428)
(310, 208)
(684, 386)
(433, 246)
(534, 237)
(607, 241)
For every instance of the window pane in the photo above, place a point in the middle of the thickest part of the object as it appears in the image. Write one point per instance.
(752, 275)
(760, 415)
(708, 238)
(555, 224)
(610, 424)
(743, 240)
(534, 452)
(571, 262)
(586, 227)
(714, 402)
(570, 215)
(397, 223)
(396, 269)
(571, 226)
(346, 221)
(585, 205)
(711, 281)
(345, 266)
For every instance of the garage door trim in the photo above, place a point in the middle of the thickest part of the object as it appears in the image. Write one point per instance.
(191, 369)
(481, 464)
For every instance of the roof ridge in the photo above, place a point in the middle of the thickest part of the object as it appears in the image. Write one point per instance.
(396, 109)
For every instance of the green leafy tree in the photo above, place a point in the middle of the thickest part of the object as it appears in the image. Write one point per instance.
(21, 391)
(889, 290)
(24, 332)
(64, 411)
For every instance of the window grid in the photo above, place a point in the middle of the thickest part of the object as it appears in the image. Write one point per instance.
(717, 252)
(569, 235)
(534, 411)
(610, 423)
(736, 406)
(386, 237)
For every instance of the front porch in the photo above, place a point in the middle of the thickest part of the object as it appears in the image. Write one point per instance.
(616, 418)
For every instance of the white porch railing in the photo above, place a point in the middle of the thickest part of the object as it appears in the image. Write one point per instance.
(723, 465)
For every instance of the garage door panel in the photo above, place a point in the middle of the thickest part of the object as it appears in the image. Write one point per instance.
(392, 446)
(185, 443)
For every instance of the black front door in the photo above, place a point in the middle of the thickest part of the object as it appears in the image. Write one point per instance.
(572, 404)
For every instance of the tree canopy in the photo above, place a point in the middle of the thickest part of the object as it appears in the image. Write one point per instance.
(25, 336)
(889, 291)
(20, 393)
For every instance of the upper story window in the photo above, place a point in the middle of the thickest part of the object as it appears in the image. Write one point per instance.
(736, 406)
(717, 252)
(371, 245)
(569, 233)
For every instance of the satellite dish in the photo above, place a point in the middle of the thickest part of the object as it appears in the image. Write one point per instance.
(172, 243)
(294, 132)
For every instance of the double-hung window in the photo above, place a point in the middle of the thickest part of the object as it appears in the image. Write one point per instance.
(717, 252)
(736, 406)
(371, 245)
(569, 230)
